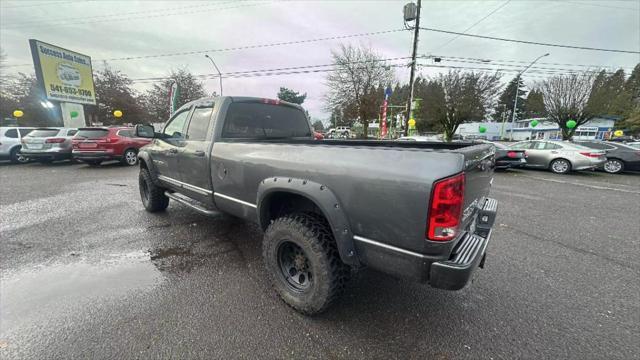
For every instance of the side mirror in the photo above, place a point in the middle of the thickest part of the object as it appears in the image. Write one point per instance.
(145, 131)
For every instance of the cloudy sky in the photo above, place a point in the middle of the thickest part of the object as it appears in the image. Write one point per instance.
(120, 29)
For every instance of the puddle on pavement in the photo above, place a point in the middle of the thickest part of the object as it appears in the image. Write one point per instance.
(46, 287)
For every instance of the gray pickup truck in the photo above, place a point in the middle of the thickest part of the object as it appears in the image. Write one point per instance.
(411, 209)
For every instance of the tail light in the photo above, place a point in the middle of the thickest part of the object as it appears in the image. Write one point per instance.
(445, 210)
(271, 101)
(54, 140)
(591, 155)
(512, 154)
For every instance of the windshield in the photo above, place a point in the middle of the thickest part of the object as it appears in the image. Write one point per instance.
(91, 133)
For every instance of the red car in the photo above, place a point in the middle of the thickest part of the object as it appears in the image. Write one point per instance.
(318, 135)
(98, 144)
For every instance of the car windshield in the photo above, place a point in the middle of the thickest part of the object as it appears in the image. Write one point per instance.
(499, 145)
(91, 133)
(43, 133)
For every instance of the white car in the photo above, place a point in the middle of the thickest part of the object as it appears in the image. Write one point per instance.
(11, 143)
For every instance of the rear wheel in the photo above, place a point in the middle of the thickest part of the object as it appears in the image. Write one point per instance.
(130, 157)
(560, 166)
(16, 157)
(153, 197)
(302, 260)
(613, 166)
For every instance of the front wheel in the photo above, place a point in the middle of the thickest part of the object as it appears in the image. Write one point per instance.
(153, 197)
(560, 166)
(303, 263)
(613, 166)
(130, 157)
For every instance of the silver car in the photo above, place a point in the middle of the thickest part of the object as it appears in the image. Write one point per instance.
(559, 156)
(48, 144)
(10, 143)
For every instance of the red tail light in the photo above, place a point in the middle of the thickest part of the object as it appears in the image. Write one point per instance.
(512, 154)
(271, 101)
(445, 210)
(54, 140)
(591, 155)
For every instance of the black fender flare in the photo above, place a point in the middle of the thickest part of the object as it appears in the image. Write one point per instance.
(144, 160)
(323, 198)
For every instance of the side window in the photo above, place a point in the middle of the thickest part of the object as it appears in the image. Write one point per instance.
(24, 132)
(175, 127)
(551, 146)
(11, 133)
(521, 146)
(72, 132)
(199, 123)
(538, 145)
(125, 133)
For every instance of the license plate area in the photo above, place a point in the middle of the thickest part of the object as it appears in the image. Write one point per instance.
(34, 146)
(87, 145)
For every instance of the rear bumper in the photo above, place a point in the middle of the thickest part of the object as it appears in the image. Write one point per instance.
(95, 155)
(587, 164)
(47, 154)
(450, 271)
(510, 163)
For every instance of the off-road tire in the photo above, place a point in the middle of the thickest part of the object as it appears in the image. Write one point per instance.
(152, 195)
(312, 233)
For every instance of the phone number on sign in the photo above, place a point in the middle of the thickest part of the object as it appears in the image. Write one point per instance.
(70, 90)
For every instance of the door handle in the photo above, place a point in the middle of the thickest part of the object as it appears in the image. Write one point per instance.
(554, 152)
(199, 153)
(172, 151)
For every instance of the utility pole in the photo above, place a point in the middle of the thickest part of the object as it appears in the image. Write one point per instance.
(515, 102)
(416, 32)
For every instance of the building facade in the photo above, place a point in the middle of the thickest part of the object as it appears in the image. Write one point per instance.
(600, 128)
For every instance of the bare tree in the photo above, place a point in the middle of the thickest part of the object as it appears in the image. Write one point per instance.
(358, 73)
(458, 97)
(566, 98)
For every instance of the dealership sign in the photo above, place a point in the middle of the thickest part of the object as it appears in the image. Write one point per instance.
(64, 75)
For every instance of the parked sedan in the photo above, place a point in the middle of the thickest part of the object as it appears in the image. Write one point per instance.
(48, 144)
(95, 145)
(559, 156)
(508, 158)
(620, 157)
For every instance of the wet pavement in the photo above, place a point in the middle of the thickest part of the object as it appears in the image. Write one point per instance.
(85, 272)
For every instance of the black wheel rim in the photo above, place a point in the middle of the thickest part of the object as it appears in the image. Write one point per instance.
(294, 266)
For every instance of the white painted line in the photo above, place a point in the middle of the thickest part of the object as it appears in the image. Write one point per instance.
(581, 184)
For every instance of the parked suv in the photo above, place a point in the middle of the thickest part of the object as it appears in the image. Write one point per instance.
(98, 144)
(10, 144)
(48, 144)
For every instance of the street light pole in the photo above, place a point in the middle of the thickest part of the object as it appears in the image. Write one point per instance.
(515, 102)
(218, 70)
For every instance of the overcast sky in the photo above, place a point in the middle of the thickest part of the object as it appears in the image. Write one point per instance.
(114, 29)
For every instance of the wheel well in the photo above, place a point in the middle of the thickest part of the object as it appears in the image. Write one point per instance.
(142, 163)
(130, 148)
(280, 203)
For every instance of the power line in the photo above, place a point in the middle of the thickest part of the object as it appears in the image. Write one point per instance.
(105, 16)
(513, 63)
(528, 42)
(603, 6)
(137, 17)
(473, 25)
(527, 62)
(40, 4)
(255, 46)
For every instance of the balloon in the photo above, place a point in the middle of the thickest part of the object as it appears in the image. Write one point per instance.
(534, 123)
(571, 124)
(18, 113)
(482, 129)
(117, 113)
(618, 133)
(73, 114)
(412, 123)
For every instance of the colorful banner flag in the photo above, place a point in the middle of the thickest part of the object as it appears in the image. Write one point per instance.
(174, 93)
(383, 130)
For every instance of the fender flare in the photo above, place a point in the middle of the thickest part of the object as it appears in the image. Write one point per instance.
(144, 159)
(323, 198)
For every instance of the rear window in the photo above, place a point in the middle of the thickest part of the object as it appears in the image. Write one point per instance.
(264, 121)
(24, 132)
(43, 133)
(92, 133)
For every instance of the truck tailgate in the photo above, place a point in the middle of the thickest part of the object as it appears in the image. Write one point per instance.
(479, 161)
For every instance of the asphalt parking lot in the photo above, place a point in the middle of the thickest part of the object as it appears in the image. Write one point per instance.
(87, 273)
